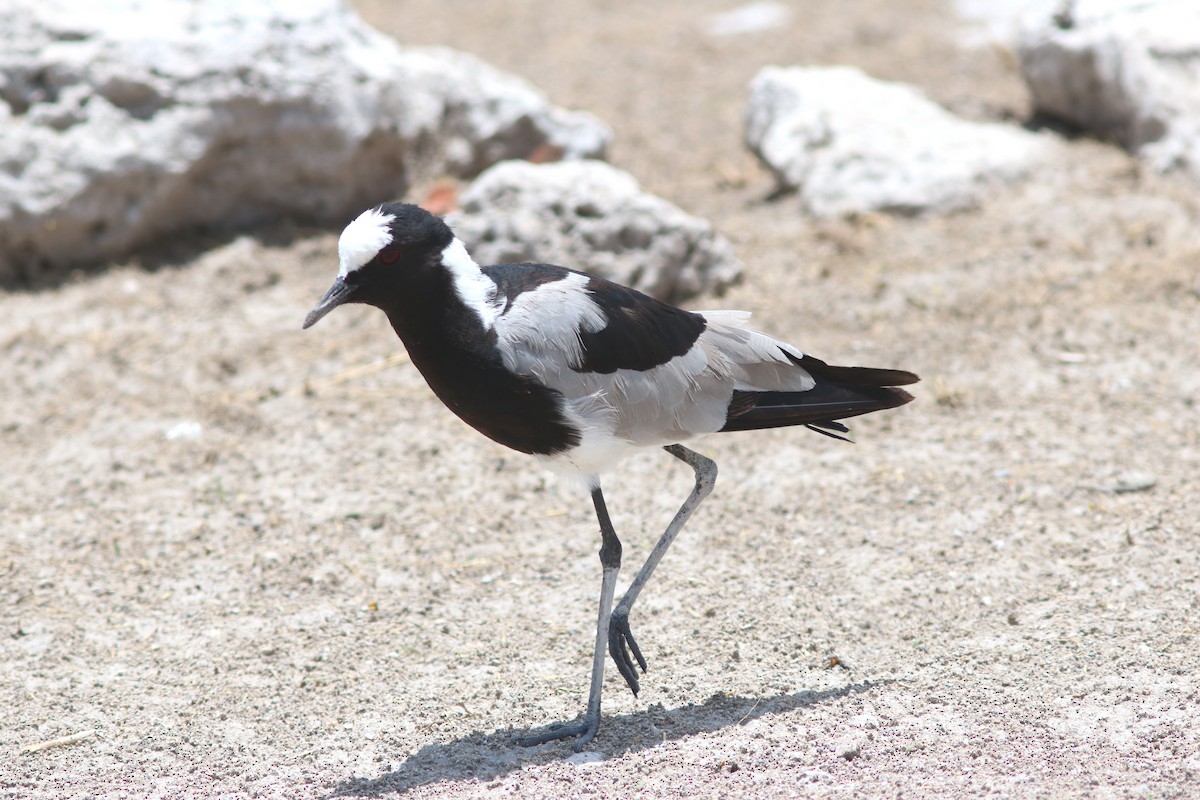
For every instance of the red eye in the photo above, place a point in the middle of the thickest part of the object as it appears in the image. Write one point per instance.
(389, 255)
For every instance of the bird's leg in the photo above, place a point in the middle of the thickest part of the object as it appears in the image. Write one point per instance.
(621, 644)
(610, 562)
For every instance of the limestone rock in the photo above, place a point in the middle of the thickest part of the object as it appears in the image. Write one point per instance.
(1127, 70)
(848, 143)
(590, 216)
(123, 122)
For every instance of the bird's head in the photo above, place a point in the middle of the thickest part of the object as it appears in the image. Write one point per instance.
(376, 249)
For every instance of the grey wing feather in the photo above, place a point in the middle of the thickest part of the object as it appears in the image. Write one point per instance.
(687, 396)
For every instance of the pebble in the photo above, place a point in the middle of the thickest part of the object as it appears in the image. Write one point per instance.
(585, 757)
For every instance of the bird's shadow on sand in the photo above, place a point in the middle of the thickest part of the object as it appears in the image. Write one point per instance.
(487, 756)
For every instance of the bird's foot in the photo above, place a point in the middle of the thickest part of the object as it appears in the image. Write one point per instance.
(623, 648)
(583, 731)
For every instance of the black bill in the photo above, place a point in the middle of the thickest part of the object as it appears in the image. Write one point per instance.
(338, 293)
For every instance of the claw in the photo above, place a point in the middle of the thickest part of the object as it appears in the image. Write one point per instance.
(620, 646)
(583, 731)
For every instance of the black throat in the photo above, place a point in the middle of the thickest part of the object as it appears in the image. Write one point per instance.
(458, 358)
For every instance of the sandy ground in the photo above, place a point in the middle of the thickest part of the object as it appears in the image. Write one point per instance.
(245, 561)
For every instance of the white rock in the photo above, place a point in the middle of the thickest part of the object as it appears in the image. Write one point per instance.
(188, 429)
(850, 144)
(750, 18)
(124, 121)
(1128, 70)
(868, 721)
(998, 22)
(591, 216)
(585, 758)
(850, 745)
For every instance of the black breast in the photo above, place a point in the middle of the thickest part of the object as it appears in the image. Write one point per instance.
(513, 410)
(458, 359)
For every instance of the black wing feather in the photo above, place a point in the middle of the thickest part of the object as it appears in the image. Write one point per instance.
(641, 334)
(839, 393)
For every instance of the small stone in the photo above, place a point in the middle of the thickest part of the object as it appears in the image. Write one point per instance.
(585, 757)
(850, 747)
(865, 721)
(188, 429)
(750, 18)
(1134, 482)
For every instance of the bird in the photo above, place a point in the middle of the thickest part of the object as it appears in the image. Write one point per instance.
(579, 372)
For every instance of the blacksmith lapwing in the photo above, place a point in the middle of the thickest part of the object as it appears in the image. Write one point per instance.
(578, 372)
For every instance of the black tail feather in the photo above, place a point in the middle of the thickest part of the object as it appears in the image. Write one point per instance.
(824, 430)
(853, 376)
(829, 425)
(839, 393)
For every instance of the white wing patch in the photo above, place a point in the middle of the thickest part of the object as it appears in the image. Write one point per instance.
(539, 333)
(476, 290)
(362, 240)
